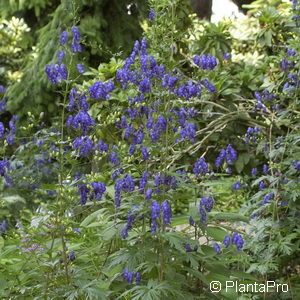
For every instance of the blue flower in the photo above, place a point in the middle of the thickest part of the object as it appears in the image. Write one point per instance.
(83, 191)
(203, 214)
(101, 147)
(169, 81)
(148, 195)
(2, 130)
(80, 68)
(189, 90)
(267, 198)
(155, 210)
(60, 55)
(77, 101)
(227, 56)
(296, 165)
(143, 182)
(128, 226)
(56, 73)
(145, 85)
(126, 184)
(261, 185)
(99, 189)
(2, 89)
(220, 158)
(200, 167)
(131, 149)
(188, 132)
(145, 153)
(4, 166)
(237, 185)
(75, 34)
(217, 248)
(114, 159)
(254, 172)
(167, 212)
(128, 275)
(84, 144)
(3, 227)
(207, 202)
(118, 190)
(101, 90)
(76, 47)
(206, 62)
(63, 37)
(206, 205)
(230, 155)
(82, 119)
(265, 169)
(208, 85)
(151, 15)
(237, 240)
(144, 46)
(291, 52)
(188, 248)
(137, 276)
(226, 241)
(72, 256)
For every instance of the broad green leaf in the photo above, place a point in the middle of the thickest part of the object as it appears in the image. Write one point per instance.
(228, 216)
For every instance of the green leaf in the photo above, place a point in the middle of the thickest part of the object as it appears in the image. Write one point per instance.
(229, 216)
(1, 242)
(91, 217)
(216, 233)
(180, 220)
(242, 160)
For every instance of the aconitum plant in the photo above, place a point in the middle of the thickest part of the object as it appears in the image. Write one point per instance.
(141, 184)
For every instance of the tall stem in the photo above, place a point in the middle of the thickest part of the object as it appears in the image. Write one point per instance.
(61, 175)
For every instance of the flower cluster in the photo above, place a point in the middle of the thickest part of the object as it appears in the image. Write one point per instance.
(57, 72)
(83, 191)
(206, 205)
(84, 144)
(151, 14)
(125, 184)
(262, 98)
(229, 155)
(188, 248)
(251, 133)
(236, 240)
(100, 90)
(99, 189)
(217, 248)
(10, 137)
(296, 165)
(128, 226)
(206, 62)
(4, 166)
(3, 226)
(267, 198)
(237, 185)
(130, 276)
(200, 167)
(2, 100)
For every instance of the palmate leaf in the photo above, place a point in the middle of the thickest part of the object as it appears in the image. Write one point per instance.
(175, 239)
(155, 291)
